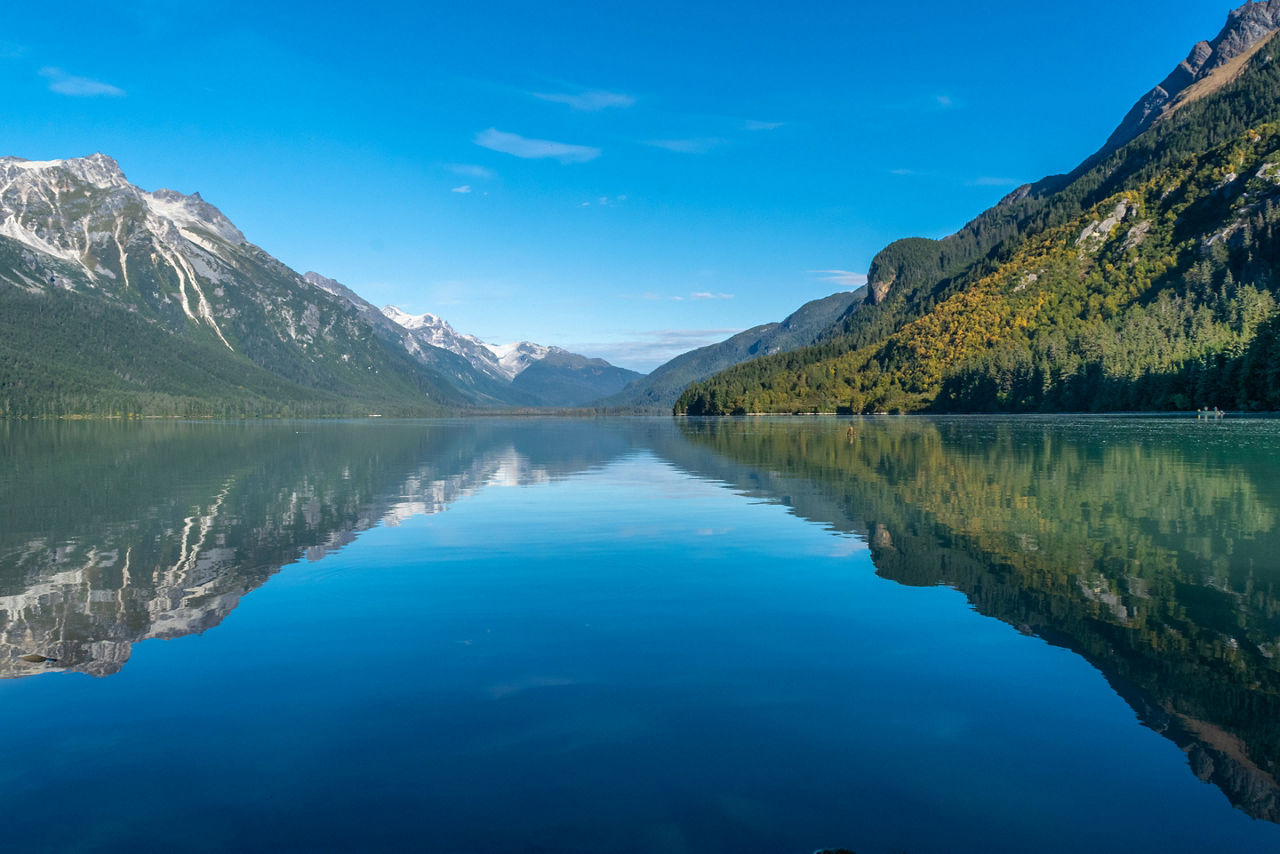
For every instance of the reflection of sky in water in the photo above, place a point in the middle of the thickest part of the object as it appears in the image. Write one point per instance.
(639, 649)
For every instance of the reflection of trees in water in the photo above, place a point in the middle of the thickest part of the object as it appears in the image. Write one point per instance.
(116, 533)
(1151, 551)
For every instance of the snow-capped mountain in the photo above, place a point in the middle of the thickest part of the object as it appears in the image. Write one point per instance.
(85, 213)
(547, 376)
(515, 359)
(506, 361)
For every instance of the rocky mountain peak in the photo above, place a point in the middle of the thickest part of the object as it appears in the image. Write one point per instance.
(97, 170)
(415, 321)
(193, 210)
(1246, 29)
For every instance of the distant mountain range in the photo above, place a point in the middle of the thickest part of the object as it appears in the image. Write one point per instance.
(660, 389)
(1145, 279)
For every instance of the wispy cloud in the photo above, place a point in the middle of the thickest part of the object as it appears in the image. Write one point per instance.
(534, 149)
(605, 202)
(989, 181)
(83, 87)
(922, 102)
(654, 297)
(901, 173)
(470, 170)
(588, 102)
(465, 188)
(646, 350)
(755, 125)
(650, 296)
(844, 278)
(10, 50)
(699, 145)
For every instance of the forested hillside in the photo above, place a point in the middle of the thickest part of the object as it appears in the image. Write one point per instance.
(1143, 280)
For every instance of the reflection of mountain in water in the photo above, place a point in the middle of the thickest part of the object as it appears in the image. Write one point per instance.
(118, 533)
(1150, 550)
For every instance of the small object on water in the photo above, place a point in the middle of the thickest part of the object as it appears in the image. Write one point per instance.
(851, 433)
(36, 658)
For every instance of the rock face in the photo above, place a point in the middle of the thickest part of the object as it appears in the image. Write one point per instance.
(879, 289)
(85, 213)
(1246, 28)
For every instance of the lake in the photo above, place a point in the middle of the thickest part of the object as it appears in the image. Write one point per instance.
(642, 635)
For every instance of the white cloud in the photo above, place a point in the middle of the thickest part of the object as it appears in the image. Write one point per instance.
(755, 125)
(946, 102)
(700, 145)
(470, 170)
(844, 278)
(465, 188)
(590, 101)
(903, 172)
(534, 149)
(708, 295)
(67, 84)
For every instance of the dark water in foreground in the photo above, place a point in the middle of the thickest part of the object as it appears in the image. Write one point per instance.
(956, 635)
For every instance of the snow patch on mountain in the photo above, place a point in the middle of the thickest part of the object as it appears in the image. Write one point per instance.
(187, 212)
(515, 359)
(503, 361)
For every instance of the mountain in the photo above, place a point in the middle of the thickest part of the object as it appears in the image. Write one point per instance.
(115, 300)
(660, 389)
(1143, 279)
(561, 378)
(532, 374)
(431, 330)
(1209, 66)
(438, 353)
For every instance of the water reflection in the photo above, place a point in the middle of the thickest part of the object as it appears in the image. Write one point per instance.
(1148, 548)
(116, 533)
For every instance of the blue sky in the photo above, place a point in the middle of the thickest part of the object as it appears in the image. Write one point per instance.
(625, 180)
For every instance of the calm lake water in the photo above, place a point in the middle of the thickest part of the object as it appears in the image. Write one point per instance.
(642, 635)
